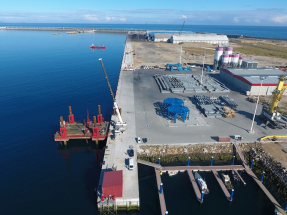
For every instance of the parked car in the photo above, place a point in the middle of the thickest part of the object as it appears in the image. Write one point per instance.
(131, 153)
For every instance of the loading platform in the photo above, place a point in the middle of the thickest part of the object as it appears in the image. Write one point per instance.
(194, 185)
(95, 130)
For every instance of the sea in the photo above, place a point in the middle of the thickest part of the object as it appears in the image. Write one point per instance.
(41, 74)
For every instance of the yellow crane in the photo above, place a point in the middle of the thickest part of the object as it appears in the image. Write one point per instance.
(271, 114)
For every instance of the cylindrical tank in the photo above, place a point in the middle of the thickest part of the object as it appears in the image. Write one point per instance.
(218, 53)
(230, 58)
(240, 62)
(225, 58)
(235, 59)
(228, 50)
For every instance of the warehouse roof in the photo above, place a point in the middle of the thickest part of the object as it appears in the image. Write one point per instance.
(252, 76)
(256, 72)
(198, 37)
(113, 178)
(249, 60)
(162, 36)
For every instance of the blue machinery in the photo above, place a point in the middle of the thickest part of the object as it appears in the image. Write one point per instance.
(178, 66)
(175, 107)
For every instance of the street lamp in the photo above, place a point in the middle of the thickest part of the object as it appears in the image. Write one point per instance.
(202, 68)
(262, 78)
(180, 55)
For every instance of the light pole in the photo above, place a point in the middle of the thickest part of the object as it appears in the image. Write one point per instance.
(251, 129)
(202, 68)
(180, 55)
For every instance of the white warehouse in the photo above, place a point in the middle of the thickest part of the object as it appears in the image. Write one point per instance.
(248, 80)
(205, 38)
(161, 37)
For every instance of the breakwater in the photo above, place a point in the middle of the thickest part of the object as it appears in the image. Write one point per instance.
(79, 30)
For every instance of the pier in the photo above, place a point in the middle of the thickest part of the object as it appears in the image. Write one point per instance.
(260, 184)
(160, 192)
(239, 177)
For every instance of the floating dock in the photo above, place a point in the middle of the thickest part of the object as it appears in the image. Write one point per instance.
(160, 193)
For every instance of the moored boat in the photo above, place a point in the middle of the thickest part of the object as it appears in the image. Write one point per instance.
(97, 47)
(201, 183)
(172, 173)
(277, 212)
(235, 176)
(227, 182)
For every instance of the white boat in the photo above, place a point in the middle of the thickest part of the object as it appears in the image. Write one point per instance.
(172, 173)
(201, 183)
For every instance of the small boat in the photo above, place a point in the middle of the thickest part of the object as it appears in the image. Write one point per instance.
(172, 173)
(97, 47)
(227, 182)
(235, 176)
(277, 212)
(201, 183)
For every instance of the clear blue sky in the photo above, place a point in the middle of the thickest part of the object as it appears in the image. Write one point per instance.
(208, 12)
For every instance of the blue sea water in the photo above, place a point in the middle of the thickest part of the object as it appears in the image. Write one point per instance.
(279, 32)
(41, 74)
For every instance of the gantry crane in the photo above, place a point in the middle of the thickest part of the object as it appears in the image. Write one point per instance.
(120, 122)
(270, 113)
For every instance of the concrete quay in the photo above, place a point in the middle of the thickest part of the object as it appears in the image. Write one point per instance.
(116, 156)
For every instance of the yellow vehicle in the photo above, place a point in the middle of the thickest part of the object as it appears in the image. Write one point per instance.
(228, 112)
(270, 113)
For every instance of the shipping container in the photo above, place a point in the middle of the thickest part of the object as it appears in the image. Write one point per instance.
(113, 184)
(223, 139)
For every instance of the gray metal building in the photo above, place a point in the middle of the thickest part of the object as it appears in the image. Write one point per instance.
(248, 80)
(162, 37)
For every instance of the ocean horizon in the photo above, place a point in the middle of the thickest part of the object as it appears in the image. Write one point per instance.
(274, 32)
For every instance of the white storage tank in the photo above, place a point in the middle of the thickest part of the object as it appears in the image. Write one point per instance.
(240, 62)
(218, 53)
(228, 50)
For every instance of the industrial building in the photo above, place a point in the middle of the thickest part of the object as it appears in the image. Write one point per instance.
(161, 37)
(248, 80)
(224, 57)
(206, 38)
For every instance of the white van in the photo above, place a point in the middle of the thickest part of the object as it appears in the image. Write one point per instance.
(131, 164)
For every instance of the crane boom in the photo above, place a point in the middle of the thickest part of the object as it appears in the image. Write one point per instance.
(182, 28)
(278, 94)
(112, 94)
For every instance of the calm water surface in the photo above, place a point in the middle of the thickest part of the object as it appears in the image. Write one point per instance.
(41, 74)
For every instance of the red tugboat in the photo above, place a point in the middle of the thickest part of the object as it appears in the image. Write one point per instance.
(97, 47)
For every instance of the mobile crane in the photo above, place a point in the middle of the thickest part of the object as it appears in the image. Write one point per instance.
(120, 122)
(270, 113)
